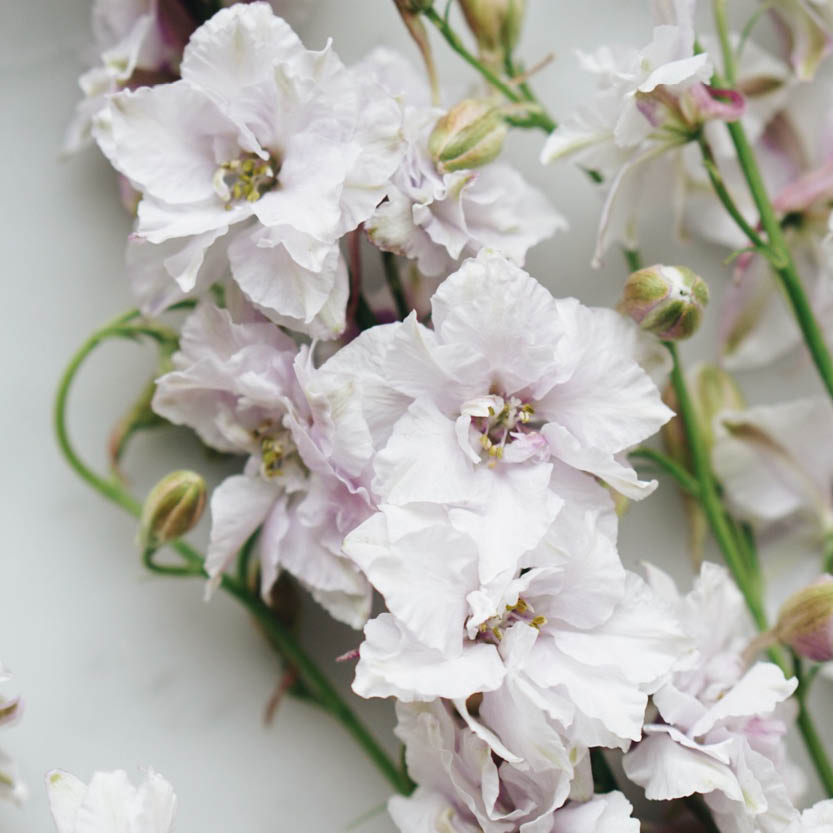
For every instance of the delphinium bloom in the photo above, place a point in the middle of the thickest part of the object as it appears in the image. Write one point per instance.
(437, 218)
(494, 410)
(721, 723)
(110, 803)
(259, 159)
(463, 787)
(650, 103)
(138, 43)
(234, 382)
(561, 628)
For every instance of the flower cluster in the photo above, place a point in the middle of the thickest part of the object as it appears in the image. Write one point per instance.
(442, 462)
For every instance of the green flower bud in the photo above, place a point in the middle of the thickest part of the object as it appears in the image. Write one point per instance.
(172, 508)
(667, 301)
(469, 135)
(496, 25)
(805, 621)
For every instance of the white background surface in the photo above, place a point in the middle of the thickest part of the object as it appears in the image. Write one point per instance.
(119, 669)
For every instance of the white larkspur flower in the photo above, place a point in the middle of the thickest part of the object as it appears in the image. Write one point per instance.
(465, 788)
(479, 411)
(564, 629)
(649, 105)
(265, 148)
(234, 382)
(720, 727)
(437, 219)
(110, 803)
(139, 43)
(776, 466)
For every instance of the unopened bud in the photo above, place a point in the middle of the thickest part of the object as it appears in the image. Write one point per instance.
(469, 135)
(496, 25)
(805, 621)
(667, 301)
(172, 508)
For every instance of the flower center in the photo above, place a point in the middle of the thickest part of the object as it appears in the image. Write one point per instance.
(492, 629)
(277, 450)
(501, 427)
(246, 178)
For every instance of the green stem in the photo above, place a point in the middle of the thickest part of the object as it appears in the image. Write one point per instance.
(289, 649)
(746, 580)
(709, 496)
(395, 285)
(779, 252)
(808, 731)
(169, 569)
(722, 25)
(245, 557)
(784, 265)
(317, 682)
(365, 317)
(633, 258)
(604, 781)
(512, 72)
(816, 748)
(827, 558)
(722, 192)
(685, 481)
(537, 118)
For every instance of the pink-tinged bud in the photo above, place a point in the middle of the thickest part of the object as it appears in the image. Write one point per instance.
(667, 301)
(805, 621)
(496, 25)
(172, 508)
(469, 135)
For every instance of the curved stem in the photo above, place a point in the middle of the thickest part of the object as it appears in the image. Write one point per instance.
(538, 117)
(287, 646)
(170, 569)
(725, 197)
